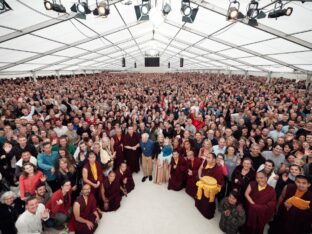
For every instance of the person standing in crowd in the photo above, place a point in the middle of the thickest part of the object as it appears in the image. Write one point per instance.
(117, 142)
(193, 164)
(42, 194)
(241, 177)
(147, 147)
(268, 167)
(59, 205)
(276, 155)
(177, 172)
(124, 176)
(92, 175)
(111, 193)
(255, 155)
(132, 152)
(261, 202)
(209, 167)
(29, 180)
(25, 158)
(11, 208)
(47, 162)
(294, 207)
(30, 221)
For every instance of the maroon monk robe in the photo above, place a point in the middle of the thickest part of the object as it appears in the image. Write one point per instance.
(129, 186)
(132, 156)
(119, 149)
(86, 212)
(260, 213)
(191, 188)
(206, 208)
(294, 221)
(177, 175)
(94, 191)
(112, 193)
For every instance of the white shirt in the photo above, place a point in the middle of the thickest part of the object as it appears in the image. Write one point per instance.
(32, 160)
(271, 180)
(217, 150)
(60, 130)
(29, 116)
(28, 223)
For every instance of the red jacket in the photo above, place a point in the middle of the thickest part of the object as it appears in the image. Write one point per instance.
(198, 124)
(54, 207)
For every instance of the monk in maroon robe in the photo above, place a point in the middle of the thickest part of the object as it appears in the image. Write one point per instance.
(294, 214)
(111, 193)
(92, 175)
(124, 176)
(118, 147)
(85, 213)
(261, 200)
(177, 172)
(209, 168)
(132, 149)
(193, 164)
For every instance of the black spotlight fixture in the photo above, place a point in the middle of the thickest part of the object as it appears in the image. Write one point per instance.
(281, 12)
(135, 65)
(188, 12)
(52, 5)
(82, 8)
(168, 64)
(4, 6)
(102, 8)
(253, 13)
(233, 12)
(166, 8)
(142, 11)
(123, 62)
(181, 62)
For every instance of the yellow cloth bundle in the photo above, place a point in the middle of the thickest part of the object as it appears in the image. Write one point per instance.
(210, 187)
(299, 203)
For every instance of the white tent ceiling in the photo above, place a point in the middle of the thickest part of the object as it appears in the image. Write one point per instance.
(33, 39)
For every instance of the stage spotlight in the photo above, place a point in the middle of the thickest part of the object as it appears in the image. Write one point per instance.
(82, 8)
(142, 11)
(188, 12)
(233, 12)
(253, 13)
(48, 5)
(166, 9)
(280, 12)
(52, 5)
(102, 9)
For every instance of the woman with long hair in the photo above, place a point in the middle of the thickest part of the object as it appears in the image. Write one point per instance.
(29, 180)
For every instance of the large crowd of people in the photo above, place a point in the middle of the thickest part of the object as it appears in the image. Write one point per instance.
(70, 145)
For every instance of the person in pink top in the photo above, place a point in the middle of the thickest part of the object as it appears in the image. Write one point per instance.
(29, 180)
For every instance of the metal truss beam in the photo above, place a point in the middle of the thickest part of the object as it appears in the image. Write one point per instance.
(50, 52)
(234, 46)
(262, 27)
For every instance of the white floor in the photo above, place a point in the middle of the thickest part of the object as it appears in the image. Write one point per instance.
(152, 209)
